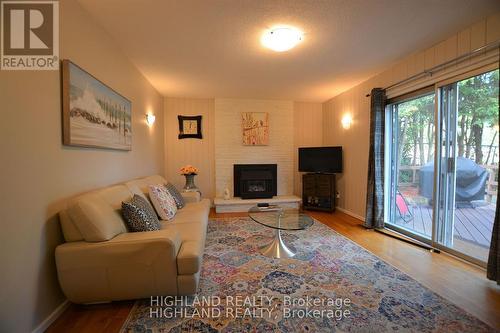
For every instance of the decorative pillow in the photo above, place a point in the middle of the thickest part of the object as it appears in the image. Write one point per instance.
(139, 215)
(179, 199)
(162, 201)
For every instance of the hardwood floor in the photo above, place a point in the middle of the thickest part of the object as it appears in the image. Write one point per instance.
(463, 284)
(98, 318)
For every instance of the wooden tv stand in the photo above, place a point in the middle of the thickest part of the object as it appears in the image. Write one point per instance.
(318, 191)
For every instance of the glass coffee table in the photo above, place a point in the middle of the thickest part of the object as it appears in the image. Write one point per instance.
(279, 219)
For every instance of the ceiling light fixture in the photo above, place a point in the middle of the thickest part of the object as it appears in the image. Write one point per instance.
(282, 38)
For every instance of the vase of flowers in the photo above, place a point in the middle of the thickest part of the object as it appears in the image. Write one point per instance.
(189, 172)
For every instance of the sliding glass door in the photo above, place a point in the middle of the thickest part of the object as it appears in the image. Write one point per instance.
(469, 154)
(411, 148)
(443, 156)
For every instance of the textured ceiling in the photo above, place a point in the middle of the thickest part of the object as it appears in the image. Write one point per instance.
(211, 48)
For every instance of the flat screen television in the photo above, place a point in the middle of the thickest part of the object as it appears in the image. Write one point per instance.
(320, 159)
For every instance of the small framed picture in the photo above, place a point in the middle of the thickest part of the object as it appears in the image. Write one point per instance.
(189, 127)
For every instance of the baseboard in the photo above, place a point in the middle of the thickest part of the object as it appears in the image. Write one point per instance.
(345, 211)
(52, 317)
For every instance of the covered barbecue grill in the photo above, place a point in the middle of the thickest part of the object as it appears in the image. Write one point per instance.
(471, 180)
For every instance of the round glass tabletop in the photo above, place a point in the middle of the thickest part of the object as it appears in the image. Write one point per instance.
(279, 218)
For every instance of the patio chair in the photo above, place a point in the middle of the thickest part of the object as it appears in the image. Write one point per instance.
(403, 208)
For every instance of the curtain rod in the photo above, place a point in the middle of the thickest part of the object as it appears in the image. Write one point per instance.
(430, 71)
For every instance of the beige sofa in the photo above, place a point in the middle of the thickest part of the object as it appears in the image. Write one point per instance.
(102, 262)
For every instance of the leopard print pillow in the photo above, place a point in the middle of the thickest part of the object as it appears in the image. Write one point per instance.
(139, 215)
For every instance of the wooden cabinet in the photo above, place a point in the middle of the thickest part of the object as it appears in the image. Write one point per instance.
(318, 191)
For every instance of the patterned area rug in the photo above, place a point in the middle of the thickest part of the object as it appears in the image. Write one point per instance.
(332, 285)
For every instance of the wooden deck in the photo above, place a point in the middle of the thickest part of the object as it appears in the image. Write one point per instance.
(472, 225)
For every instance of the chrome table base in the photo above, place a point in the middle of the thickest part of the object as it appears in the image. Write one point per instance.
(277, 248)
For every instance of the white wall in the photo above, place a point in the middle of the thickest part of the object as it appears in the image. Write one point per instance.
(229, 149)
(308, 132)
(200, 153)
(38, 172)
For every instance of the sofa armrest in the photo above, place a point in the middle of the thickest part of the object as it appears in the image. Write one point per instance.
(191, 196)
(131, 265)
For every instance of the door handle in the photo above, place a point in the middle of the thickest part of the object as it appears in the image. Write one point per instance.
(451, 164)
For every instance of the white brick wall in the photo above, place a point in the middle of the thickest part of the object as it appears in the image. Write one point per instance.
(229, 149)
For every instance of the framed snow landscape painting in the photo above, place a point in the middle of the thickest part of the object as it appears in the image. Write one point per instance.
(94, 115)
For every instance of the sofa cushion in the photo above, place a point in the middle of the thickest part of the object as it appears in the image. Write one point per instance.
(162, 201)
(115, 195)
(95, 218)
(69, 229)
(194, 231)
(139, 215)
(179, 199)
(136, 190)
(196, 213)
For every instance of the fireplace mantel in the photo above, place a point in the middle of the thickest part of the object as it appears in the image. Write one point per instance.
(238, 205)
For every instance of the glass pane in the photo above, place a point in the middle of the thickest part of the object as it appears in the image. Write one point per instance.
(476, 166)
(412, 165)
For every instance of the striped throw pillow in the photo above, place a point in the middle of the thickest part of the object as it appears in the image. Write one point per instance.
(179, 199)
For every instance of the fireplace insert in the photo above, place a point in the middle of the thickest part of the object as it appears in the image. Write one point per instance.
(255, 181)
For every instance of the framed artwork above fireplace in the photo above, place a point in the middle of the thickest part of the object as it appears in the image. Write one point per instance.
(255, 128)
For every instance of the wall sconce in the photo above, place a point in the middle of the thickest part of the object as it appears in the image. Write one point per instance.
(150, 119)
(346, 121)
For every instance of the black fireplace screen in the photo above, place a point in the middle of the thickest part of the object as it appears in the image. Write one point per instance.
(255, 186)
(255, 181)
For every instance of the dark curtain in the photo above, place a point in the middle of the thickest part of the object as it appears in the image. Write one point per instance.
(493, 269)
(375, 189)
